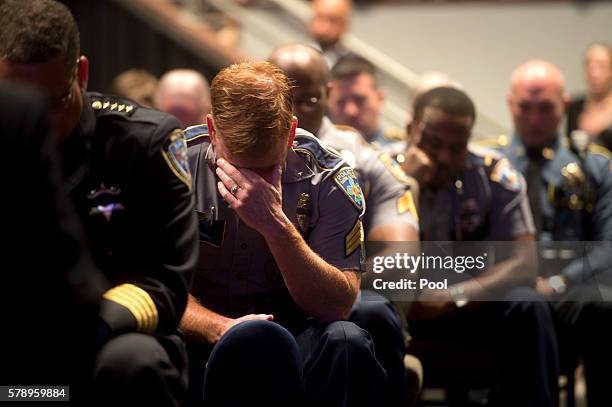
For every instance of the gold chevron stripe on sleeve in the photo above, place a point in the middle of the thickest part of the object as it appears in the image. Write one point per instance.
(138, 302)
(353, 239)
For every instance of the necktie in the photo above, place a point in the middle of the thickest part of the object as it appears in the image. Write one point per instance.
(534, 190)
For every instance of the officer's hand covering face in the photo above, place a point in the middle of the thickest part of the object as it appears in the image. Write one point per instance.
(263, 164)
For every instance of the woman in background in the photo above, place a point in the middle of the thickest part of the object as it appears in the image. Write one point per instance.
(592, 113)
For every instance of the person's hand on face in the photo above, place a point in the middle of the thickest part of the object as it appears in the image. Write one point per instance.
(257, 201)
(417, 163)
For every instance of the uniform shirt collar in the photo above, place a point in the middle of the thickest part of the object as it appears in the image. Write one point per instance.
(517, 148)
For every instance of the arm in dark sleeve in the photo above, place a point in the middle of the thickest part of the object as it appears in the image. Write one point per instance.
(155, 301)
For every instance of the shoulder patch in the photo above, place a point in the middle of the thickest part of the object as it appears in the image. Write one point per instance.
(353, 239)
(347, 182)
(503, 173)
(174, 152)
(395, 169)
(194, 133)
(405, 203)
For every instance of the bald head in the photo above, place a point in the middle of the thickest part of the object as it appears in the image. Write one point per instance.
(299, 60)
(307, 69)
(538, 73)
(185, 94)
(537, 101)
(330, 21)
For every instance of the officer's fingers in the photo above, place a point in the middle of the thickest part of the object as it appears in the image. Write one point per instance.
(249, 177)
(227, 195)
(231, 171)
(225, 178)
(258, 317)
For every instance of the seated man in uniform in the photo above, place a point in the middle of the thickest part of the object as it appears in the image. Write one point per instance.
(356, 100)
(127, 175)
(67, 285)
(281, 255)
(467, 194)
(390, 213)
(570, 192)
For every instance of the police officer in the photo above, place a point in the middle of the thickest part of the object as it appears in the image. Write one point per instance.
(128, 177)
(356, 100)
(570, 192)
(469, 194)
(390, 214)
(67, 284)
(280, 239)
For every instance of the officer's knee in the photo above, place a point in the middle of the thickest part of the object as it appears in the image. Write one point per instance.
(129, 357)
(375, 315)
(254, 354)
(258, 335)
(344, 335)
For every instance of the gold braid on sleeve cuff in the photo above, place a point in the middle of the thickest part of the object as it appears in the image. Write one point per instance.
(138, 302)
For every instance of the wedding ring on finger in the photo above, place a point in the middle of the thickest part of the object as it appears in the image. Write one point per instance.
(235, 189)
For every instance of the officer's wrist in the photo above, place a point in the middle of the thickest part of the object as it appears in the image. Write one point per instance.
(280, 227)
(558, 284)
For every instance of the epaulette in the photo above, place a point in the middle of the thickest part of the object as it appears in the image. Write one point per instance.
(196, 134)
(324, 157)
(599, 149)
(103, 104)
(394, 168)
(483, 155)
(501, 141)
(394, 134)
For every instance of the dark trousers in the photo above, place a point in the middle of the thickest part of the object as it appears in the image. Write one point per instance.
(583, 316)
(261, 363)
(140, 369)
(509, 346)
(377, 315)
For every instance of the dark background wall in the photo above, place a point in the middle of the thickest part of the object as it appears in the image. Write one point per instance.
(114, 39)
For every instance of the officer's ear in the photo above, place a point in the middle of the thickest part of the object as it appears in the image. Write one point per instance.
(83, 72)
(212, 132)
(294, 122)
